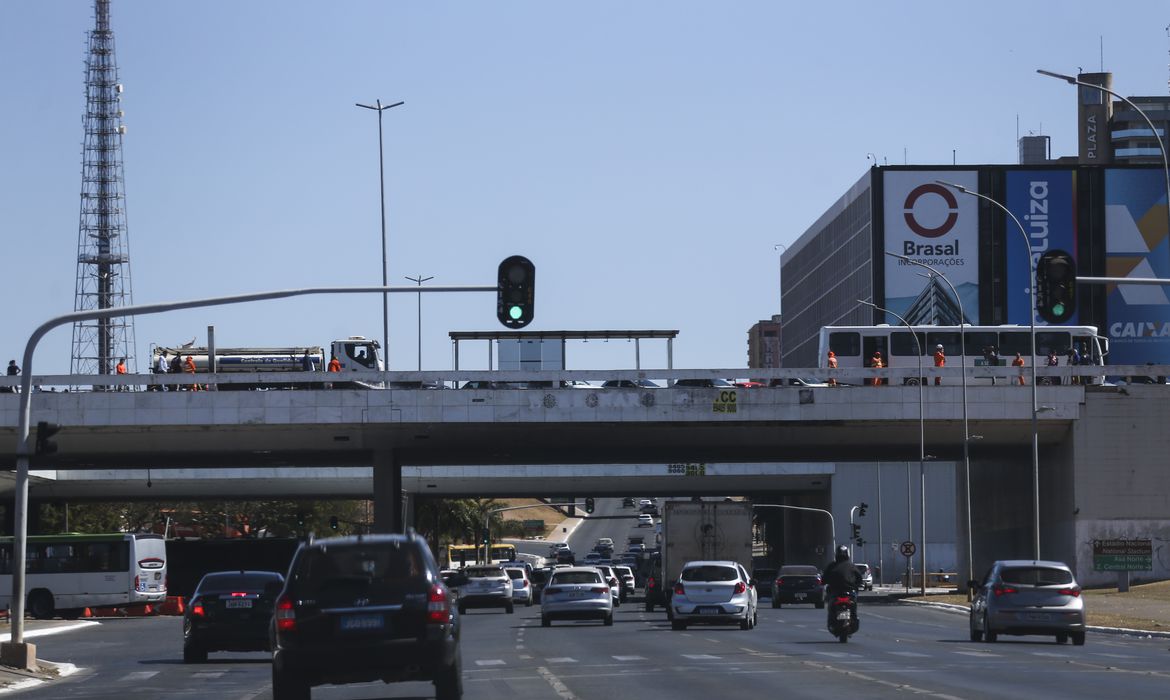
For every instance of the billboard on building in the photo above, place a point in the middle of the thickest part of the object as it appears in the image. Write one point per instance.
(1137, 245)
(935, 225)
(1044, 203)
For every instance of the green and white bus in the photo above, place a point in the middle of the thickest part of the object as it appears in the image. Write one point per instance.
(67, 573)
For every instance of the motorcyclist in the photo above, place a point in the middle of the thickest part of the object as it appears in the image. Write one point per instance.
(841, 578)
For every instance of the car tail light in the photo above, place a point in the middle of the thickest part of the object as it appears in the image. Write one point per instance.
(551, 591)
(678, 589)
(740, 587)
(438, 605)
(286, 615)
(599, 589)
(820, 582)
(651, 583)
(197, 608)
(524, 585)
(1001, 589)
(842, 600)
(136, 586)
(239, 594)
(1075, 591)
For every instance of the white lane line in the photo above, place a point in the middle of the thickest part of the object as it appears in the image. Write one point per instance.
(561, 660)
(909, 653)
(138, 675)
(561, 689)
(978, 654)
(839, 654)
(1051, 654)
(701, 657)
(489, 662)
(526, 656)
(208, 674)
(629, 658)
(1113, 656)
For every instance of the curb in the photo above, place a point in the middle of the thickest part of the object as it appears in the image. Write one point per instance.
(950, 607)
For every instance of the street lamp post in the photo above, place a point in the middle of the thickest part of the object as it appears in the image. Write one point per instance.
(1153, 132)
(379, 108)
(963, 381)
(1032, 330)
(921, 439)
(419, 280)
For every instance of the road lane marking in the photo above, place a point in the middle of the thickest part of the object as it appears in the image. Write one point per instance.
(208, 674)
(138, 675)
(629, 658)
(909, 653)
(701, 657)
(979, 654)
(557, 685)
(489, 662)
(839, 654)
(561, 660)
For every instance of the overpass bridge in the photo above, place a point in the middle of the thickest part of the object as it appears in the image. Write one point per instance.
(1102, 447)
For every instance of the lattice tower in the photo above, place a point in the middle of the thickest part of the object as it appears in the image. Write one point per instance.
(103, 247)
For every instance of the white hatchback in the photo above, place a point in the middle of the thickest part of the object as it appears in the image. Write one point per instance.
(713, 593)
(575, 593)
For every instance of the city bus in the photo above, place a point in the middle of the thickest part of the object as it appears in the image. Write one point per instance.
(65, 574)
(854, 347)
(460, 555)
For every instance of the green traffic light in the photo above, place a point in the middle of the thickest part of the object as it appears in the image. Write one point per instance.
(1058, 309)
(515, 312)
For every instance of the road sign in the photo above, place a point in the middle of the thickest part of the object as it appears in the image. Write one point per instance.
(908, 549)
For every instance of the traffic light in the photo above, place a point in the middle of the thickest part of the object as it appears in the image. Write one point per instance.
(300, 519)
(45, 431)
(515, 291)
(856, 533)
(589, 505)
(1056, 286)
(484, 536)
(861, 508)
(333, 522)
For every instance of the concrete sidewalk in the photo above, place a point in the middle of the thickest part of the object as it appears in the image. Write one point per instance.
(12, 679)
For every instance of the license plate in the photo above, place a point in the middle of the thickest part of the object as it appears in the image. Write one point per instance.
(1038, 617)
(800, 596)
(843, 616)
(710, 611)
(237, 604)
(576, 594)
(358, 623)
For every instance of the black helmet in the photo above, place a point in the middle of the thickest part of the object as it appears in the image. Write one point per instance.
(842, 553)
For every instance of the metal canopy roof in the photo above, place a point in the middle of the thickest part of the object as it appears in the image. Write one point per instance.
(561, 335)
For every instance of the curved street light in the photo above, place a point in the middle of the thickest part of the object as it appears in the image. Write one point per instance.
(963, 380)
(1153, 132)
(921, 439)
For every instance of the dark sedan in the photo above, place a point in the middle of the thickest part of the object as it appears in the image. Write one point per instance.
(230, 611)
(798, 584)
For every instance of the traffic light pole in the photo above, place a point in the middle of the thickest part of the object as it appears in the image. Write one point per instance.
(832, 522)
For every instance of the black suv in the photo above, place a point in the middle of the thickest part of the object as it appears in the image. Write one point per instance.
(365, 608)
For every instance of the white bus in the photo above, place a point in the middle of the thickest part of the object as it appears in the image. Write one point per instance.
(67, 573)
(854, 347)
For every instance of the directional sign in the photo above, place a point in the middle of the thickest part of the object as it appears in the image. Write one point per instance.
(908, 549)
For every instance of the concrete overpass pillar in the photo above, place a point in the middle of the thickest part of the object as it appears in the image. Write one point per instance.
(387, 492)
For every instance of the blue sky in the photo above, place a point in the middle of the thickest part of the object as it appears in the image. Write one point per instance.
(646, 156)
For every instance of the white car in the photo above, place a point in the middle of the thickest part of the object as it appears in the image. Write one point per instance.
(485, 587)
(645, 520)
(574, 593)
(521, 585)
(713, 592)
(629, 583)
(615, 583)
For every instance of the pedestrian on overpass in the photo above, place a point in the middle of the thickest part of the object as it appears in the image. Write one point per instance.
(876, 363)
(120, 369)
(189, 367)
(1019, 362)
(13, 371)
(161, 366)
(832, 362)
(940, 360)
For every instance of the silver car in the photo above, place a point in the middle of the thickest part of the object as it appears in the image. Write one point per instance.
(485, 587)
(713, 592)
(575, 593)
(1022, 596)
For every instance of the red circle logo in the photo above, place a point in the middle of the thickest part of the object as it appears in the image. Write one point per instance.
(952, 209)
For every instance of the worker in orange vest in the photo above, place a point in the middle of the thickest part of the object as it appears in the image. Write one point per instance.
(940, 360)
(832, 365)
(189, 368)
(1019, 362)
(121, 369)
(334, 364)
(877, 363)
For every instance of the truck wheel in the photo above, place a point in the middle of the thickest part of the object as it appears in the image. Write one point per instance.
(449, 682)
(40, 604)
(510, 607)
(649, 607)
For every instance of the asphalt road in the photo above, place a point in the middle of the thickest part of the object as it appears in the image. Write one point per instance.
(901, 650)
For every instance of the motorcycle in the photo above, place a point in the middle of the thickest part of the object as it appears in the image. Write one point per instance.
(843, 620)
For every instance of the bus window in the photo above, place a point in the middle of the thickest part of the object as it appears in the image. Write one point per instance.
(952, 345)
(1053, 341)
(845, 343)
(977, 341)
(902, 344)
(1011, 342)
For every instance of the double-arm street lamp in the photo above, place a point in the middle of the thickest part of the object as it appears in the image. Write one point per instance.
(1032, 332)
(419, 280)
(921, 442)
(379, 108)
(963, 381)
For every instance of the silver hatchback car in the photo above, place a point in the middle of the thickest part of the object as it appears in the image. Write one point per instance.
(575, 593)
(1022, 596)
(713, 592)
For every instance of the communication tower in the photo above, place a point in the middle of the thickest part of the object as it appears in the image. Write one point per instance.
(103, 252)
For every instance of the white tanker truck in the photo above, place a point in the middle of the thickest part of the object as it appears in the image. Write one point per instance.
(356, 354)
